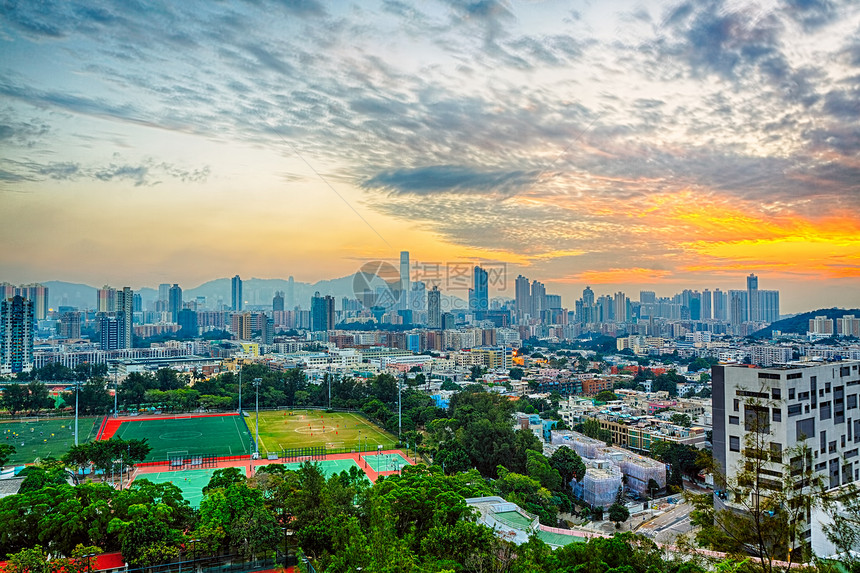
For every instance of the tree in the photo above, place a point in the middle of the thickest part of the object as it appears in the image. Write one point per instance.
(15, 397)
(146, 537)
(475, 373)
(767, 495)
(538, 467)
(6, 451)
(516, 373)
(606, 396)
(843, 508)
(224, 478)
(618, 513)
(568, 463)
(681, 419)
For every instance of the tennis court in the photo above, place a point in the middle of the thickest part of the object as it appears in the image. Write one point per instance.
(385, 462)
(558, 539)
(514, 519)
(286, 429)
(208, 435)
(191, 482)
(328, 467)
(40, 438)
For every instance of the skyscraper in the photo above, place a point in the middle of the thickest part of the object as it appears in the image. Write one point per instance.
(69, 325)
(480, 299)
(434, 308)
(522, 294)
(110, 331)
(188, 322)
(236, 298)
(164, 292)
(753, 307)
(125, 313)
(720, 305)
(418, 296)
(16, 335)
(706, 304)
(267, 330)
(278, 301)
(38, 295)
(405, 286)
(174, 301)
(106, 299)
(322, 313)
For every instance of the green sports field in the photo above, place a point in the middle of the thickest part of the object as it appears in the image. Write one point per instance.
(191, 482)
(280, 430)
(385, 462)
(45, 437)
(212, 435)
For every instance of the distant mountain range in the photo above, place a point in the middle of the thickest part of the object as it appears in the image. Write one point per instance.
(799, 323)
(256, 292)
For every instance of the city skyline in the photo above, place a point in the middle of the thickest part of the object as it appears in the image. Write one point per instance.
(637, 146)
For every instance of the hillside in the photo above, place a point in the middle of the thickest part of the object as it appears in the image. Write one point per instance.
(799, 323)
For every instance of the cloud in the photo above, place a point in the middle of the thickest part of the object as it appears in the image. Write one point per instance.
(146, 173)
(458, 179)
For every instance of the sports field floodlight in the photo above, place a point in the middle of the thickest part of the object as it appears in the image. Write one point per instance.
(257, 424)
(77, 392)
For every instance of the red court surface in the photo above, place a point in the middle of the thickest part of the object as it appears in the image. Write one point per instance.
(250, 466)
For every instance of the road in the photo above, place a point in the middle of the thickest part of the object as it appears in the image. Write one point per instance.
(667, 527)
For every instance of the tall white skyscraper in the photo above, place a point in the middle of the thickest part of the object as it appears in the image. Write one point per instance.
(405, 286)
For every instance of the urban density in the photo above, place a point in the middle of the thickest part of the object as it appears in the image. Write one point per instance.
(450, 286)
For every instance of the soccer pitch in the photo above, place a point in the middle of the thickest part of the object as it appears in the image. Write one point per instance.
(45, 437)
(281, 430)
(207, 435)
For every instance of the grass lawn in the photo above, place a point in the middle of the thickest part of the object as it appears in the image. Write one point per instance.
(45, 437)
(281, 430)
(212, 435)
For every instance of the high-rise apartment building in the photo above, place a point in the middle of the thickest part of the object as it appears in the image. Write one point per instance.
(106, 301)
(125, 312)
(808, 404)
(164, 292)
(267, 330)
(405, 286)
(69, 325)
(706, 312)
(522, 293)
(434, 308)
(241, 325)
(322, 313)
(174, 301)
(721, 306)
(278, 301)
(38, 294)
(188, 322)
(236, 293)
(111, 331)
(753, 308)
(16, 335)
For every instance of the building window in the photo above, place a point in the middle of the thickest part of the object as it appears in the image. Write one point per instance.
(794, 410)
(775, 393)
(791, 393)
(803, 396)
(756, 419)
(734, 420)
(734, 444)
(805, 428)
(737, 405)
(824, 410)
(777, 414)
(852, 401)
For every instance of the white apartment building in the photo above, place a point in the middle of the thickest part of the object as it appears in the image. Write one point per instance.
(813, 402)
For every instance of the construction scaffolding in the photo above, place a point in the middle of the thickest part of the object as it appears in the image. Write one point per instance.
(583, 445)
(600, 484)
(640, 470)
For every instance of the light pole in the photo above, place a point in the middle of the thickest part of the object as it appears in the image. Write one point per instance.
(399, 402)
(240, 389)
(115, 388)
(257, 423)
(77, 392)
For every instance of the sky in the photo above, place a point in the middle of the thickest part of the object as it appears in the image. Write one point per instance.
(621, 145)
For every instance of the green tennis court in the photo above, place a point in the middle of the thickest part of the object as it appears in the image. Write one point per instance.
(40, 438)
(328, 467)
(209, 435)
(286, 429)
(191, 482)
(385, 462)
(514, 519)
(558, 539)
